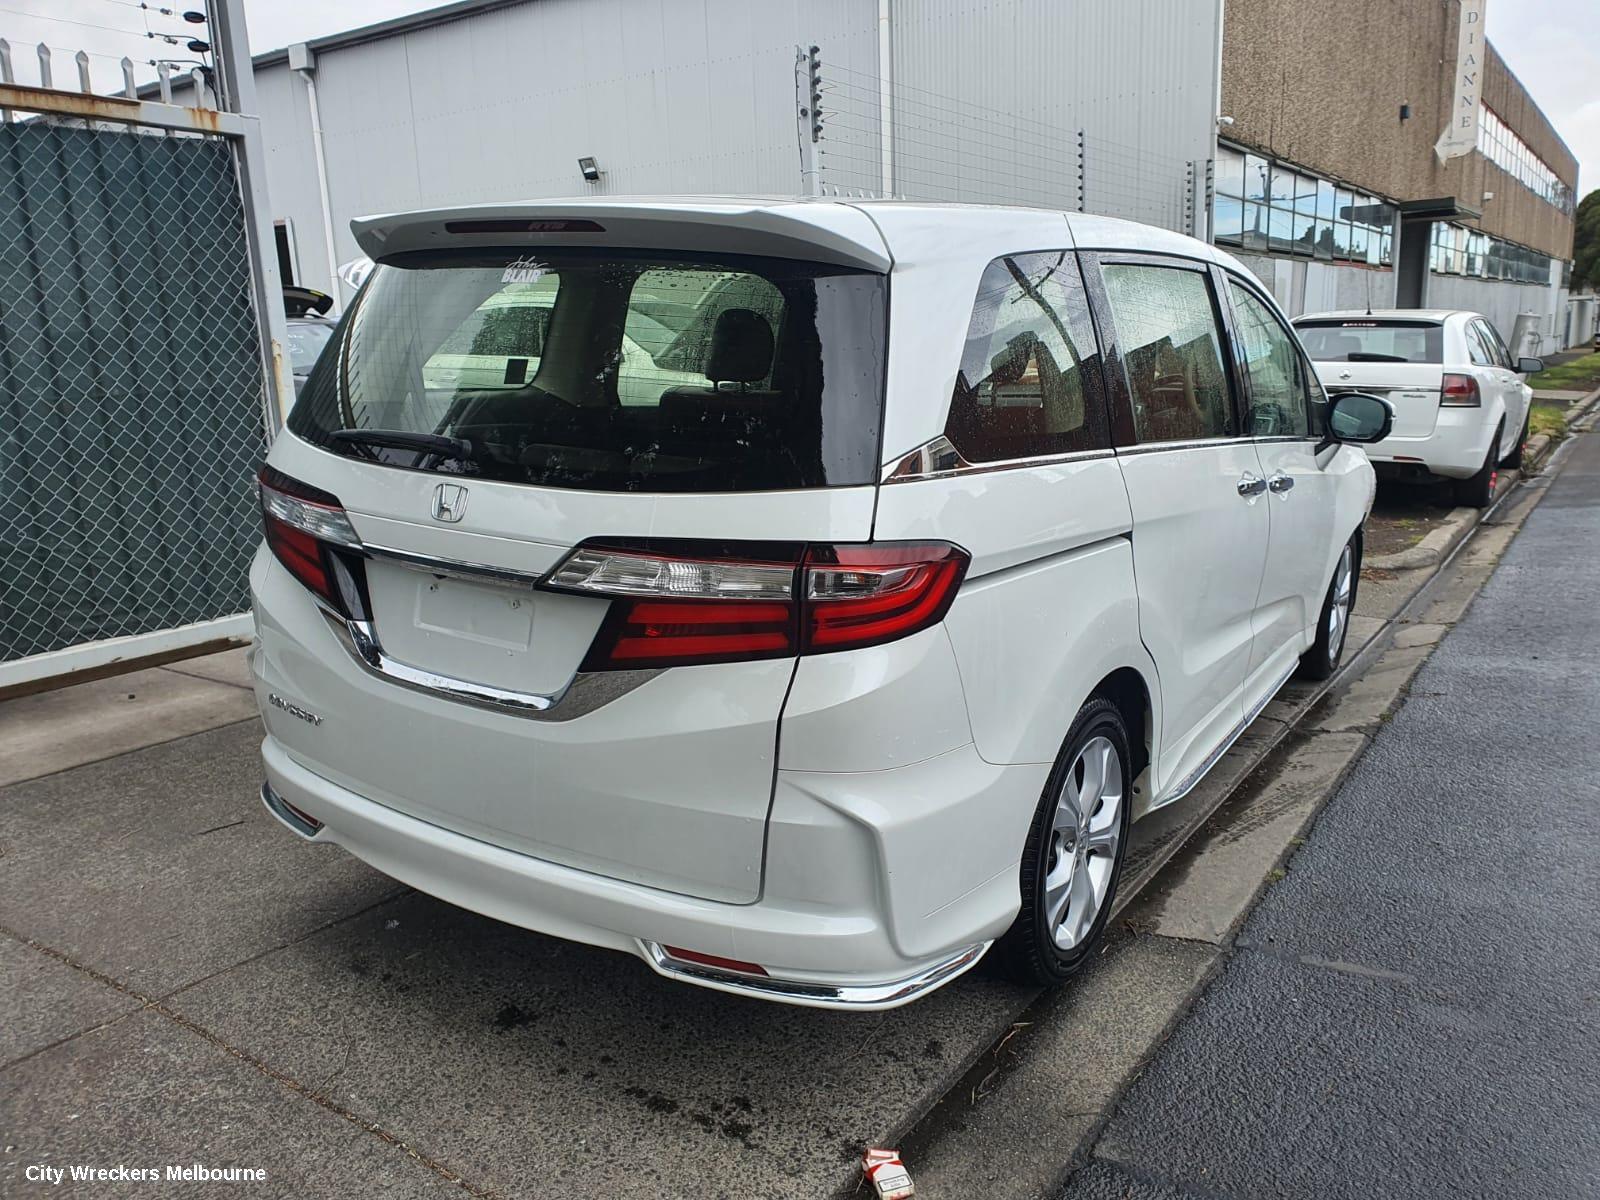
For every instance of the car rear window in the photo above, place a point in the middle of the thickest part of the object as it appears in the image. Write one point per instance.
(609, 371)
(1373, 341)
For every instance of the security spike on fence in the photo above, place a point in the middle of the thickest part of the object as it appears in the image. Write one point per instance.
(44, 66)
(164, 78)
(82, 59)
(130, 89)
(5, 62)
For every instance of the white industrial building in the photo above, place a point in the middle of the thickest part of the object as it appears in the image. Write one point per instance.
(1078, 104)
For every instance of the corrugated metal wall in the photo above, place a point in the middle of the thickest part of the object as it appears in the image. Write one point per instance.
(697, 96)
(669, 95)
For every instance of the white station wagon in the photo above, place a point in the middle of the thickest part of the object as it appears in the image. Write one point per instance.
(1460, 401)
(978, 534)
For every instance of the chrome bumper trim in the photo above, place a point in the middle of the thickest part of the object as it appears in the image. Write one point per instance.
(820, 995)
(586, 692)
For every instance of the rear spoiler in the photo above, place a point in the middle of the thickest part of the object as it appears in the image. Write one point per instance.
(815, 231)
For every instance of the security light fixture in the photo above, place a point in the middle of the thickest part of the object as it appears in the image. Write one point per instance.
(590, 169)
(195, 18)
(1405, 112)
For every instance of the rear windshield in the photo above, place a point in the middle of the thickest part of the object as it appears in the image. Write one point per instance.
(1373, 341)
(609, 371)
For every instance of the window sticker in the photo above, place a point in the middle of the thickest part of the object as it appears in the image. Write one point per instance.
(524, 270)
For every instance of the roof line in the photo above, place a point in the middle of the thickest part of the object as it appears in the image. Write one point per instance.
(394, 25)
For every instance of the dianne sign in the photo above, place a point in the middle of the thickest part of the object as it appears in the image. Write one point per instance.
(1460, 134)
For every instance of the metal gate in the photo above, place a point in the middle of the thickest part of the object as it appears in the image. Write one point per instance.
(134, 393)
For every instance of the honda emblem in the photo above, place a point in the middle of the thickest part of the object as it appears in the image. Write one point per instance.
(449, 503)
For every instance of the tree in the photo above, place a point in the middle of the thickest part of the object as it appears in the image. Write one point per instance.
(1586, 244)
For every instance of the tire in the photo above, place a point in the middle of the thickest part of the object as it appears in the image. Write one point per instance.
(1042, 947)
(1514, 459)
(1478, 490)
(1322, 660)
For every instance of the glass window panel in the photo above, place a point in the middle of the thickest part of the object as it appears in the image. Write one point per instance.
(1255, 177)
(1325, 198)
(1255, 226)
(1324, 239)
(1274, 367)
(1227, 219)
(1229, 172)
(1030, 377)
(1166, 328)
(1283, 185)
(1280, 228)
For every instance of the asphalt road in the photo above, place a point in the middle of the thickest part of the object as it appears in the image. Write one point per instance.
(1414, 1009)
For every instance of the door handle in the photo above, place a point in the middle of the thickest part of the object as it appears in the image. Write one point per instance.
(1250, 486)
(1280, 483)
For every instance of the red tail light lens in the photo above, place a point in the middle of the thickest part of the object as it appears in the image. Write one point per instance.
(1459, 391)
(300, 523)
(864, 595)
(676, 604)
(658, 633)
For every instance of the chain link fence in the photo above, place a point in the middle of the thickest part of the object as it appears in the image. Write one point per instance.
(130, 384)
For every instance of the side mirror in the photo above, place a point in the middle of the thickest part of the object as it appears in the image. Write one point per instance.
(1359, 418)
(1529, 366)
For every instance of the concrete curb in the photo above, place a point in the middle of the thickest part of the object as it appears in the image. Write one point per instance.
(1432, 549)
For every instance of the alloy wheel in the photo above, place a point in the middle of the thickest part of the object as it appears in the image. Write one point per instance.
(1085, 836)
(1339, 610)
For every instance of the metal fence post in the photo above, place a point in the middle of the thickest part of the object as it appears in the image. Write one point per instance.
(236, 87)
(808, 115)
(1083, 205)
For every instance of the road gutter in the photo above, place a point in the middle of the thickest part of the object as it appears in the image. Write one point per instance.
(1032, 1105)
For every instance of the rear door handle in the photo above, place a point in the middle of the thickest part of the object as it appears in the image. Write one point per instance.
(1250, 486)
(1280, 483)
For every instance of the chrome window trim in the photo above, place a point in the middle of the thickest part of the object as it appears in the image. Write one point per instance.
(920, 463)
(1184, 444)
(820, 995)
(587, 690)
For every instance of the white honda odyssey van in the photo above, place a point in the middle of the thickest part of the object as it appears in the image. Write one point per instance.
(972, 536)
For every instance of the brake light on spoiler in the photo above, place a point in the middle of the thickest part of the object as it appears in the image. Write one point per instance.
(679, 603)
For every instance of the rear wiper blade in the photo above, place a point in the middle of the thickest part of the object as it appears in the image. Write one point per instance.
(427, 445)
(1368, 356)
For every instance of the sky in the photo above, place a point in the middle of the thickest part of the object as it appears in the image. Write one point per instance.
(1552, 45)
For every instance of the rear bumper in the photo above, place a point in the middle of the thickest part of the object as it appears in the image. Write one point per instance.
(1455, 449)
(845, 955)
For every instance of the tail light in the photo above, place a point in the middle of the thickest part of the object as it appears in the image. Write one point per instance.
(1459, 391)
(302, 524)
(675, 604)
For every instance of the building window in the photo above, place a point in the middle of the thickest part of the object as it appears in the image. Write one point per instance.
(1457, 250)
(1262, 204)
(1511, 154)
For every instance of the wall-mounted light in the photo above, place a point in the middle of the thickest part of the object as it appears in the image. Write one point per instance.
(1224, 120)
(1405, 112)
(590, 169)
(1487, 196)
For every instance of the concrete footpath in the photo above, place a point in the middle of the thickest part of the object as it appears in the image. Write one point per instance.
(1413, 1009)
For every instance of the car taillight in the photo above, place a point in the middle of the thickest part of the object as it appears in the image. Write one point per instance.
(1459, 391)
(301, 524)
(676, 604)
